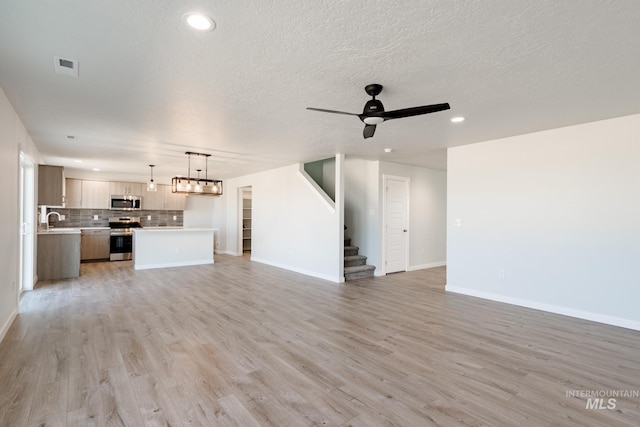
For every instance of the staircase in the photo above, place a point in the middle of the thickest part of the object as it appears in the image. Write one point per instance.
(355, 265)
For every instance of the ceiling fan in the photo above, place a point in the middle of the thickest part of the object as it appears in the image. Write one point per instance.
(374, 114)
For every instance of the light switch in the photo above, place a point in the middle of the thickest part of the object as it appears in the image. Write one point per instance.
(175, 217)
(62, 217)
(457, 222)
(95, 217)
(148, 217)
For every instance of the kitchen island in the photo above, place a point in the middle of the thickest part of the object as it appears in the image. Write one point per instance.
(172, 247)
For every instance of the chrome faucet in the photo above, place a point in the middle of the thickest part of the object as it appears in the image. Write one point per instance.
(52, 213)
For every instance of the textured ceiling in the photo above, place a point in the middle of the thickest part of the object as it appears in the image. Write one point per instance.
(150, 89)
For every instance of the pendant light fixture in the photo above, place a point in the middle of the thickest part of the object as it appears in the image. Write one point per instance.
(151, 185)
(203, 186)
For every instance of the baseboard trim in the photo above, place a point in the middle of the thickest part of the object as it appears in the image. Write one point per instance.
(7, 324)
(425, 266)
(172, 264)
(556, 309)
(299, 270)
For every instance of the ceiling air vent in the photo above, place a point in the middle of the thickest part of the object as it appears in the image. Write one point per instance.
(68, 67)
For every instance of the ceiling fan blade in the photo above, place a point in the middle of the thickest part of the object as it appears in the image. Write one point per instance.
(368, 131)
(414, 111)
(322, 110)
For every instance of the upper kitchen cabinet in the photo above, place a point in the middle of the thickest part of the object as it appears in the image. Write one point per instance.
(126, 188)
(173, 201)
(163, 199)
(73, 193)
(95, 194)
(153, 200)
(51, 186)
(87, 194)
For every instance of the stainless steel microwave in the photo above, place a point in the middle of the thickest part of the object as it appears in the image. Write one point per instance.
(126, 203)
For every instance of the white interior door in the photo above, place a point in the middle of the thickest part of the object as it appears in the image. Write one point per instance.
(396, 223)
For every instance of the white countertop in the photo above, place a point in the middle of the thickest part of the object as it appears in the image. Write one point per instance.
(60, 230)
(170, 229)
(69, 230)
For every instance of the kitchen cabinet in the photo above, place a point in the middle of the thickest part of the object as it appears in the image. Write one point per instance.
(58, 255)
(95, 194)
(173, 201)
(51, 186)
(126, 188)
(86, 194)
(153, 200)
(163, 199)
(94, 245)
(73, 193)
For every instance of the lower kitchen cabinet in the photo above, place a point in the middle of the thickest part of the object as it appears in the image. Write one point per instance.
(58, 256)
(94, 245)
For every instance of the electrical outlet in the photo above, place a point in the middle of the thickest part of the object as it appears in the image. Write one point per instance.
(175, 217)
(148, 217)
(500, 274)
(95, 217)
(63, 217)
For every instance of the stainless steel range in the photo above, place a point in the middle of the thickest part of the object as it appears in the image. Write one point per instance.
(121, 237)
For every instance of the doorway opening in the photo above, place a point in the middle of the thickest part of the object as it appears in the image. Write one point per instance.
(27, 221)
(246, 208)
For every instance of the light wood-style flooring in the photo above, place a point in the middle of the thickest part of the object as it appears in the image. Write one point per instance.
(239, 343)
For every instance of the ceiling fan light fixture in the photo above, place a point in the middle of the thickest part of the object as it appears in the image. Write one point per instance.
(373, 120)
(374, 113)
(198, 21)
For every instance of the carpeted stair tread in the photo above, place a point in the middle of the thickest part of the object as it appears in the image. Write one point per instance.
(358, 272)
(359, 268)
(351, 250)
(354, 260)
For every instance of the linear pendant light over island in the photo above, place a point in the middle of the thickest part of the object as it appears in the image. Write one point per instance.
(196, 186)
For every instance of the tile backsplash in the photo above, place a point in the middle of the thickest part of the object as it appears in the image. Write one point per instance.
(85, 217)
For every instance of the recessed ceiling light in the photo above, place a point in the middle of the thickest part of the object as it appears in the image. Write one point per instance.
(388, 150)
(96, 169)
(78, 161)
(199, 21)
(457, 119)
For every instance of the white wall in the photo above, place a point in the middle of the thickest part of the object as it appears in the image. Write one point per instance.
(427, 213)
(199, 211)
(293, 226)
(558, 212)
(13, 139)
(362, 214)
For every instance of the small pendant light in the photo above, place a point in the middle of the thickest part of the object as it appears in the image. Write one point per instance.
(151, 185)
